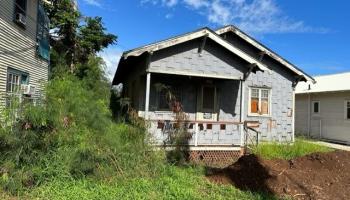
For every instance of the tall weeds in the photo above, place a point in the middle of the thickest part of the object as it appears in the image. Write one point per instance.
(71, 135)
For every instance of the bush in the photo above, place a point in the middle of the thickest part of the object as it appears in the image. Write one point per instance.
(71, 134)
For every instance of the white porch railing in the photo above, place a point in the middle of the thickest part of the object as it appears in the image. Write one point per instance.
(198, 133)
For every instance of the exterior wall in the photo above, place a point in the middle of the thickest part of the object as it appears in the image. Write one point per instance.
(185, 59)
(18, 46)
(278, 126)
(330, 123)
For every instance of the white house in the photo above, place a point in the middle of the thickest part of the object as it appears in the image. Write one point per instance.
(323, 108)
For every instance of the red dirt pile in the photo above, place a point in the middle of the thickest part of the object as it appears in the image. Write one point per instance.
(315, 176)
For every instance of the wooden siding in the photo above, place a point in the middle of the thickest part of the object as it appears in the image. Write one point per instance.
(18, 46)
(330, 123)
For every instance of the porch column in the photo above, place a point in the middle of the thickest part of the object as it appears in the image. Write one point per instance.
(242, 112)
(148, 87)
(293, 116)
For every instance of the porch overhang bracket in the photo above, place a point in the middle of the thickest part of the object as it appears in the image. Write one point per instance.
(297, 80)
(261, 55)
(252, 68)
(202, 45)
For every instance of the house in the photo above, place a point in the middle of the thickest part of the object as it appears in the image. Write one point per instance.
(222, 78)
(323, 108)
(24, 49)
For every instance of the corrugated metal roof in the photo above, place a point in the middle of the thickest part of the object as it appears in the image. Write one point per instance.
(326, 83)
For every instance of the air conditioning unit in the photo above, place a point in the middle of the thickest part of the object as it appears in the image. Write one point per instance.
(28, 89)
(21, 19)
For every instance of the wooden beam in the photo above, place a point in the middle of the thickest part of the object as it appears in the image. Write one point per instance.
(148, 88)
(202, 45)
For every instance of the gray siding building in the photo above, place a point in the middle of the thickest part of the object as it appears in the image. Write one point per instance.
(24, 48)
(222, 79)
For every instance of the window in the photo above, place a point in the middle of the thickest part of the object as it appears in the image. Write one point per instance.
(208, 98)
(43, 47)
(14, 80)
(316, 107)
(166, 96)
(347, 109)
(259, 101)
(20, 7)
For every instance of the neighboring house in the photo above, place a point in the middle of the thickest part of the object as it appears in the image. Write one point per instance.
(323, 108)
(222, 78)
(24, 49)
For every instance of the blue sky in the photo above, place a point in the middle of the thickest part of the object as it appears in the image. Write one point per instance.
(312, 34)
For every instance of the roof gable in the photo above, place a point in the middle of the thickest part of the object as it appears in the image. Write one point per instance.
(204, 32)
(264, 49)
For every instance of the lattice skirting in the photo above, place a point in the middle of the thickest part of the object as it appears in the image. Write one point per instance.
(214, 158)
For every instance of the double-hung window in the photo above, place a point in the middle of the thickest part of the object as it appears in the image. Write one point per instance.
(259, 102)
(347, 109)
(15, 79)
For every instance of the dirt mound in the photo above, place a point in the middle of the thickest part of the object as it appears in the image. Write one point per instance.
(315, 176)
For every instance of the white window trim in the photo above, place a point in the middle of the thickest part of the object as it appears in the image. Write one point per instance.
(346, 109)
(313, 108)
(250, 114)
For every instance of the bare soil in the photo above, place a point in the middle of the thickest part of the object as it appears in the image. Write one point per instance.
(315, 176)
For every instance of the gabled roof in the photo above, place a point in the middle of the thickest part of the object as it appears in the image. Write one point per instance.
(266, 50)
(326, 83)
(203, 32)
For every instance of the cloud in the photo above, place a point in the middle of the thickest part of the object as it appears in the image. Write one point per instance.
(93, 2)
(253, 16)
(169, 16)
(111, 56)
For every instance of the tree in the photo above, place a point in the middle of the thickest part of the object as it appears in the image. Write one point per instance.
(74, 41)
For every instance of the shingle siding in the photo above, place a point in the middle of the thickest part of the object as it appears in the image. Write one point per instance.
(18, 46)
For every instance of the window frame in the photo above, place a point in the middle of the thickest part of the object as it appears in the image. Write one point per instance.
(346, 107)
(17, 9)
(18, 73)
(260, 89)
(313, 108)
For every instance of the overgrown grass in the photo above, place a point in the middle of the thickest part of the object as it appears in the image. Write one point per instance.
(172, 183)
(299, 148)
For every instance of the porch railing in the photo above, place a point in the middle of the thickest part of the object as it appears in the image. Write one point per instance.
(198, 133)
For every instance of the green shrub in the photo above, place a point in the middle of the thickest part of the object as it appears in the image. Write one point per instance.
(71, 134)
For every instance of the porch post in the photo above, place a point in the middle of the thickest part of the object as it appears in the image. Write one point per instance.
(242, 112)
(293, 116)
(148, 87)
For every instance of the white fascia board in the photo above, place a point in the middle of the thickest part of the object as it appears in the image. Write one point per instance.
(263, 49)
(195, 35)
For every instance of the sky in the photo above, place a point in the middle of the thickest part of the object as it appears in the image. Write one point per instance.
(312, 34)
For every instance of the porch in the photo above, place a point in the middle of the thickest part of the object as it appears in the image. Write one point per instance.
(212, 106)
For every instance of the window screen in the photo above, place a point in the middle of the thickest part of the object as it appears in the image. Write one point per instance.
(208, 98)
(316, 107)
